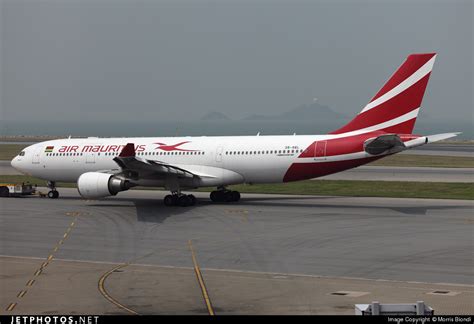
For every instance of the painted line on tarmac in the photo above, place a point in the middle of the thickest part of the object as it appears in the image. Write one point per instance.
(200, 279)
(39, 270)
(103, 278)
(11, 307)
(249, 271)
(103, 291)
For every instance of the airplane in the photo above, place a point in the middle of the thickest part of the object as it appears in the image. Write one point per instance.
(103, 167)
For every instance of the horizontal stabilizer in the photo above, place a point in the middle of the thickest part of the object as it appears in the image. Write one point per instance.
(441, 137)
(392, 143)
(428, 139)
(384, 143)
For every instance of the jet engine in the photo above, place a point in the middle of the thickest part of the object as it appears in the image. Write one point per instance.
(99, 185)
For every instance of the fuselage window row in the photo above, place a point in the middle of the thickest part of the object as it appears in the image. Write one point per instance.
(187, 153)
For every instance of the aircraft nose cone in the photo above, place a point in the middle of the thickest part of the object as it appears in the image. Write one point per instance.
(14, 163)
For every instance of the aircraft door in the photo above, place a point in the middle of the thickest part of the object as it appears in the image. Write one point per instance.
(36, 155)
(320, 150)
(219, 153)
(90, 157)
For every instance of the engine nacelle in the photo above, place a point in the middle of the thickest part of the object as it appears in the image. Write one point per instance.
(100, 185)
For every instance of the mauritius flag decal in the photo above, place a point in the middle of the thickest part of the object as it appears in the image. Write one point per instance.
(49, 149)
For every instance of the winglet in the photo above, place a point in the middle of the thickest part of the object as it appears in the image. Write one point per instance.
(128, 150)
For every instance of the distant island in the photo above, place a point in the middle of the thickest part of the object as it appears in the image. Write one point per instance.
(215, 116)
(314, 111)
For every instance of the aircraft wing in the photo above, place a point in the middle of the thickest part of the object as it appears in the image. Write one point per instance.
(134, 167)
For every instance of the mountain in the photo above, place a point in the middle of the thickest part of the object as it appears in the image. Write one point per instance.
(314, 111)
(215, 115)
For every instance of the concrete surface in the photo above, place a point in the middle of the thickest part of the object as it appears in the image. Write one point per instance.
(71, 287)
(262, 249)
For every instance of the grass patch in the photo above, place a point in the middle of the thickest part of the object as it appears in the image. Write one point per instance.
(435, 161)
(401, 189)
(9, 151)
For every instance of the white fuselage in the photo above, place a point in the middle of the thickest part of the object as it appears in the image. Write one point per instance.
(255, 159)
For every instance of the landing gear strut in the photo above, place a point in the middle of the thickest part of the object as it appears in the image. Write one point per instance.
(224, 195)
(178, 199)
(53, 193)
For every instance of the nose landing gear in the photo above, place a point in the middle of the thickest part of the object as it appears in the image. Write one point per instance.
(53, 193)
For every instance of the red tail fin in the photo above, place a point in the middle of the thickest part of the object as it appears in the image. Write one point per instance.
(395, 107)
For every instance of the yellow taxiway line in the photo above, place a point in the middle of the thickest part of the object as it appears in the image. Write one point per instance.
(200, 279)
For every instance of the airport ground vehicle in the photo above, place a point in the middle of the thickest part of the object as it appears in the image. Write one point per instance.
(16, 189)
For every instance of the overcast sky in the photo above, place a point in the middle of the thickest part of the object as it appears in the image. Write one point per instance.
(161, 60)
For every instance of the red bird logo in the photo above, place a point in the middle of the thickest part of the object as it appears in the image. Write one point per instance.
(164, 147)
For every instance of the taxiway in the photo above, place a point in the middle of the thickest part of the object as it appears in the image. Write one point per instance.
(268, 254)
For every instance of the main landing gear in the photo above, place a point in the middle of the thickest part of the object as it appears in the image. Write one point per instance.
(53, 193)
(224, 195)
(178, 199)
(221, 195)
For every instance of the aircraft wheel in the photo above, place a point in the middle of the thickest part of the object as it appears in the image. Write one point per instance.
(53, 194)
(168, 201)
(4, 192)
(214, 196)
(235, 196)
(192, 200)
(184, 201)
(227, 196)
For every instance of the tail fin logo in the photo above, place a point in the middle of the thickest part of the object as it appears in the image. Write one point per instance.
(396, 105)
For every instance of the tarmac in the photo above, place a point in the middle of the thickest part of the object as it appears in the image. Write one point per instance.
(268, 254)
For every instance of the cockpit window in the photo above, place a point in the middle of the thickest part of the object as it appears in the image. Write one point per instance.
(22, 153)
